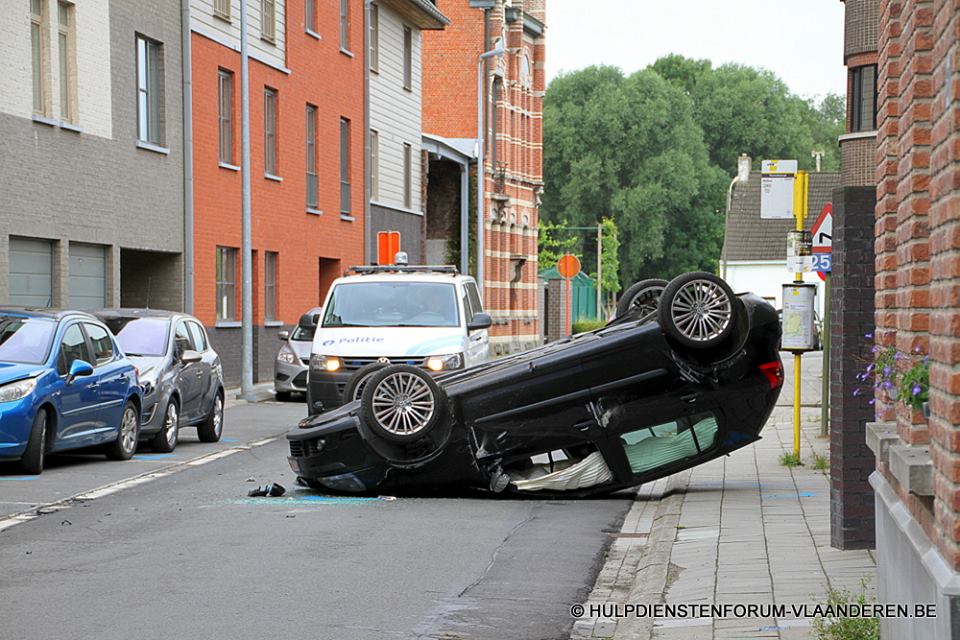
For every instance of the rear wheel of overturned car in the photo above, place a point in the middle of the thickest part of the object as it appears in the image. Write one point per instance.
(282, 396)
(401, 403)
(126, 443)
(698, 310)
(643, 296)
(166, 439)
(356, 383)
(33, 457)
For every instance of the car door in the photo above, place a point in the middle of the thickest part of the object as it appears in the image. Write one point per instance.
(114, 377)
(206, 366)
(188, 375)
(478, 348)
(80, 420)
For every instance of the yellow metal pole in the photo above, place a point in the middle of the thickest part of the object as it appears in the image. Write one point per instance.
(800, 192)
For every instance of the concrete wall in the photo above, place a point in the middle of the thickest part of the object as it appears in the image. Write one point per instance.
(89, 181)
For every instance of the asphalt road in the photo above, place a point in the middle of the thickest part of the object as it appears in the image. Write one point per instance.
(187, 554)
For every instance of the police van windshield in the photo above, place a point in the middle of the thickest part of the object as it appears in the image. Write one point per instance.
(392, 304)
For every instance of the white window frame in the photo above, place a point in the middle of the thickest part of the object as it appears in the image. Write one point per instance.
(149, 90)
(38, 52)
(313, 189)
(270, 103)
(375, 37)
(222, 9)
(345, 25)
(407, 58)
(268, 21)
(225, 116)
(67, 54)
(271, 260)
(226, 284)
(374, 164)
(345, 187)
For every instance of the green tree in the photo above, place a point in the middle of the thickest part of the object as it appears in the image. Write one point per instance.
(553, 242)
(629, 148)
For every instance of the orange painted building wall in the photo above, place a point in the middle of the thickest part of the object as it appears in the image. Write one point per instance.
(320, 74)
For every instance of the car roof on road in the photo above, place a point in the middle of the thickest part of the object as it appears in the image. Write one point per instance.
(44, 312)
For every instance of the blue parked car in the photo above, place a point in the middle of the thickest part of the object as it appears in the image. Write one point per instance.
(64, 384)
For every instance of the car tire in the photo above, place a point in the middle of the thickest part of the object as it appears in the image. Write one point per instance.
(33, 457)
(698, 310)
(166, 440)
(402, 403)
(645, 294)
(211, 429)
(282, 396)
(128, 434)
(356, 383)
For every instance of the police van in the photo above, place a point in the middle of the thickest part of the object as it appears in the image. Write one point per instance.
(426, 316)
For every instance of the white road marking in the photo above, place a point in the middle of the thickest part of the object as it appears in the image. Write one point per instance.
(14, 519)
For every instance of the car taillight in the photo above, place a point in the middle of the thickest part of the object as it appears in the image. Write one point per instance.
(773, 372)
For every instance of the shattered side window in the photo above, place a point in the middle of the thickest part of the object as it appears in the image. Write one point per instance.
(659, 445)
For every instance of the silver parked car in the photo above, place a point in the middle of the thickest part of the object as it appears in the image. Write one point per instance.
(293, 360)
(180, 373)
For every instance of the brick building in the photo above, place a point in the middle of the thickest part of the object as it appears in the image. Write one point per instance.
(91, 154)
(307, 156)
(917, 482)
(514, 87)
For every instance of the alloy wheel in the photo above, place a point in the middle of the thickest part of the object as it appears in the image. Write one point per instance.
(701, 310)
(403, 403)
(171, 425)
(128, 430)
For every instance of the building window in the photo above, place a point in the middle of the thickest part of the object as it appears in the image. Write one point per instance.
(270, 132)
(221, 9)
(374, 164)
(268, 20)
(225, 115)
(270, 285)
(345, 166)
(226, 283)
(38, 51)
(863, 98)
(68, 61)
(310, 16)
(345, 25)
(148, 90)
(407, 177)
(374, 38)
(311, 156)
(407, 58)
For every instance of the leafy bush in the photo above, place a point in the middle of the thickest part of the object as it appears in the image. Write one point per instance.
(847, 628)
(582, 326)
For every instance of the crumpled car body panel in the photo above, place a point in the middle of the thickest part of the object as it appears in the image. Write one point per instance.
(622, 402)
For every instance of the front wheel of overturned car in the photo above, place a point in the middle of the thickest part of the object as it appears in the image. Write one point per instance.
(698, 310)
(356, 383)
(402, 403)
(126, 443)
(643, 296)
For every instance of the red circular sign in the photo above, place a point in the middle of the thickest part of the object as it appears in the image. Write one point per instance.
(568, 265)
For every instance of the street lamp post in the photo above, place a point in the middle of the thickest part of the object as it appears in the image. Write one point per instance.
(246, 335)
(498, 50)
(743, 175)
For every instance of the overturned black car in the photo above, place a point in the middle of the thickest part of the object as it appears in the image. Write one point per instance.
(685, 373)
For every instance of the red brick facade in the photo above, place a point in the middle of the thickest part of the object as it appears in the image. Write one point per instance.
(918, 240)
(513, 153)
(319, 74)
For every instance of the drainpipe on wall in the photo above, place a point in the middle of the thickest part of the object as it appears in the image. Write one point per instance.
(367, 169)
(187, 89)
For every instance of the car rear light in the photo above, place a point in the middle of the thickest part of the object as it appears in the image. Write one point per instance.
(773, 372)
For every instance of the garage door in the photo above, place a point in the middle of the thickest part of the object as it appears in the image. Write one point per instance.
(31, 272)
(87, 276)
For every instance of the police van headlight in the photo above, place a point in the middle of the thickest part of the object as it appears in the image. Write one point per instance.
(319, 363)
(444, 363)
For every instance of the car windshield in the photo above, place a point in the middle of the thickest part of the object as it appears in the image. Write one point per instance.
(141, 336)
(25, 340)
(301, 334)
(392, 304)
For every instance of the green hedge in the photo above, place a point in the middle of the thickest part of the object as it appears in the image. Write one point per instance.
(582, 326)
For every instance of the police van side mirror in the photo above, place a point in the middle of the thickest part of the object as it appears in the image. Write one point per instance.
(480, 321)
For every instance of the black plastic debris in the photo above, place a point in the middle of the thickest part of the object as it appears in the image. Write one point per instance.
(273, 490)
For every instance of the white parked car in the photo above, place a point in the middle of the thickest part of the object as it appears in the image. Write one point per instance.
(430, 317)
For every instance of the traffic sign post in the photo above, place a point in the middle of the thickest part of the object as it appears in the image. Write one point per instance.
(569, 266)
(823, 252)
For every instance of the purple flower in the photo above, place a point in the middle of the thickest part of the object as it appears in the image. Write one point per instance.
(875, 349)
(886, 372)
(869, 336)
(887, 384)
(870, 368)
(897, 355)
(872, 401)
(916, 390)
(856, 391)
(916, 349)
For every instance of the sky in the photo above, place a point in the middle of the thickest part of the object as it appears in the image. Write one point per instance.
(799, 40)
